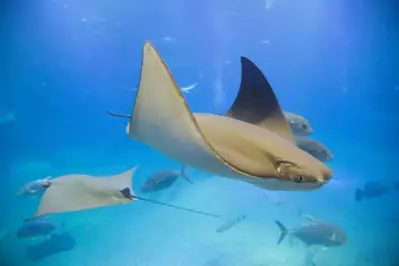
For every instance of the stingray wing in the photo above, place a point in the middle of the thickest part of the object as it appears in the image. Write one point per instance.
(162, 120)
(257, 104)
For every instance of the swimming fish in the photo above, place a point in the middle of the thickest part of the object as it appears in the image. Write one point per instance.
(230, 223)
(56, 243)
(299, 125)
(35, 187)
(372, 189)
(36, 228)
(251, 143)
(6, 116)
(316, 233)
(189, 88)
(162, 180)
(314, 148)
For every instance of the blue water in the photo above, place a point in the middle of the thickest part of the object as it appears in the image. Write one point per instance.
(63, 63)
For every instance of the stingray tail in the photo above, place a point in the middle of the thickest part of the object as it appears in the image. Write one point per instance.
(283, 230)
(118, 115)
(359, 195)
(176, 207)
(183, 174)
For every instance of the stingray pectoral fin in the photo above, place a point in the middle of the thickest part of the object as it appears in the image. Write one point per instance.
(123, 181)
(256, 102)
(162, 120)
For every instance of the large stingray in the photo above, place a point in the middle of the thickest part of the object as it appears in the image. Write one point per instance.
(81, 192)
(252, 142)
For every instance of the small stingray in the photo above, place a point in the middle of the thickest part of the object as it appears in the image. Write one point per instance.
(81, 192)
(252, 142)
(55, 244)
(162, 180)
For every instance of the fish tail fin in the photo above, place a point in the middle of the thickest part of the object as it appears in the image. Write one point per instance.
(183, 174)
(359, 195)
(283, 230)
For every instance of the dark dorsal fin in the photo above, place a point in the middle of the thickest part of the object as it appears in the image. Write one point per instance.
(256, 102)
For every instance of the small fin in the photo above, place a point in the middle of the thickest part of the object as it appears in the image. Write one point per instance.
(127, 193)
(283, 230)
(184, 174)
(119, 115)
(124, 180)
(256, 102)
(309, 218)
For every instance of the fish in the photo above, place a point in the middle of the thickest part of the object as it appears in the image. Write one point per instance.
(35, 187)
(6, 116)
(315, 233)
(372, 189)
(252, 142)
(314, 148)
(298, 124)
(162, 180)
(230, 223)
(55, 244)
(78, 192)
(189, 88)
(34, 228)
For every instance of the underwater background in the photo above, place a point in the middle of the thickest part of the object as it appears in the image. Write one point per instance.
(63, 63)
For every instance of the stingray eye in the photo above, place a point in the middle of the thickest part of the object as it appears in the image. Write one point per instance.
(298, 179)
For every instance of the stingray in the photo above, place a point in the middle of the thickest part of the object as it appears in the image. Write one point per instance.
(252, 142)
(81, 192)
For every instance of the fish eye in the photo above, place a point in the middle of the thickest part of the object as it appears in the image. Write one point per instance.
(298, 179)
(304, 126)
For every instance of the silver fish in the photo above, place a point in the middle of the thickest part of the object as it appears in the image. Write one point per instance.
(316, 233)
(230, 223)
(314, 148)
(162, 180)
(298, 124)
(35, 187)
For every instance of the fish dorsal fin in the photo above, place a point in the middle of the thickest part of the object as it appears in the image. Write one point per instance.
(310, 219)
(256, 102)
